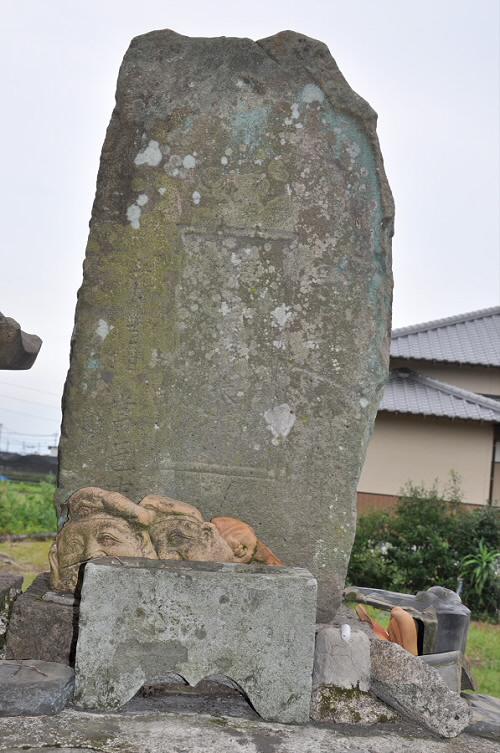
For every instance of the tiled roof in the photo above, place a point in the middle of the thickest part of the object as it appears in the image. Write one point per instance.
(409, 392)
(472, 338)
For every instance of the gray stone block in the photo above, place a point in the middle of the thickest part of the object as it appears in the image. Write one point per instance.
(141, 620)
(342, 658)
(416, 690)
(10, 588)
(33, 688)
(40, 629)
(449, 667)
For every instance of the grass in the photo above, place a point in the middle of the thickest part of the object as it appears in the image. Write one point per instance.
(483, 652)
(27, 508)
(29, 557)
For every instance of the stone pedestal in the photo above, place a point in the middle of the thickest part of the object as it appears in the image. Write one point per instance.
(142, 620)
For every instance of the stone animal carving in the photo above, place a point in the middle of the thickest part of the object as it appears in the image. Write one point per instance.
(107, 524)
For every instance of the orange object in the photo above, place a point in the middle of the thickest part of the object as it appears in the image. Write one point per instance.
(377, 628)
(403, 630)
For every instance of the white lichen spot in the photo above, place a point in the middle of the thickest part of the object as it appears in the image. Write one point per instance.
(295, 111)
(240, 84)
(134, 215)
(196, 197)
(224, 308)
(312, 93)
(156, 427)
(279, 344)
(281, 315)
(235, 259)
(280, 421)
(364, 402)
(142, 199)
(151, 155)
(228, 151)
(240, 393)
(189, 162)
(162, 190)
(299, 125)
(224, 160)
(103, 329)
(345, 632)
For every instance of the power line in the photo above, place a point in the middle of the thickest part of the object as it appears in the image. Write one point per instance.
(29, 415)
(32, 389)
(33, 402)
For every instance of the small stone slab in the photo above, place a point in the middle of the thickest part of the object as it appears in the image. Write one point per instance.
(411, 687)
(342, 658)
(34, 688)
(40, 629)
(485, 715)
(141, 620)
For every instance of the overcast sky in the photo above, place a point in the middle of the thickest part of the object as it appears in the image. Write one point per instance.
(429, 68)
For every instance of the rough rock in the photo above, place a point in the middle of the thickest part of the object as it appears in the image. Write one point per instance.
(10, 588)
(342, 658)
(411, 687)
(34, 687)
(18, 350)
(232, 330)
(485, 715)
(40, 629)
(141, 620)
(333, 704)
(156, 733)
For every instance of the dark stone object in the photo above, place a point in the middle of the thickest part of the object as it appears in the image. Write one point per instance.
(18, 350)
(10, 588)
(443, 620)
(33, 688)
(41, 629)
(485, 715)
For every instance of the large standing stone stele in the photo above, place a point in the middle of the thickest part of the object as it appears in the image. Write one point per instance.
(231, 336)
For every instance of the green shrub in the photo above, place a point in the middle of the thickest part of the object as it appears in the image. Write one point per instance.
(27, 508)
(428, 541)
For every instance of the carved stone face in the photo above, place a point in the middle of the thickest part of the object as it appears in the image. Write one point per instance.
(179, 532)
(101, 524)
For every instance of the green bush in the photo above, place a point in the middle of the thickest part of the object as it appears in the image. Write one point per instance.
(27, 508)
(428, 541)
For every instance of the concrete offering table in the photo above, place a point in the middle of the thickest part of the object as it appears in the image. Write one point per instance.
(142, 620)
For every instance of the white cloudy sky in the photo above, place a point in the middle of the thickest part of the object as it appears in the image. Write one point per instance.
(430, 69)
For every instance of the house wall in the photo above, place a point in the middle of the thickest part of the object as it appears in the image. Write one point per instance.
(482, 379)
(421, 450)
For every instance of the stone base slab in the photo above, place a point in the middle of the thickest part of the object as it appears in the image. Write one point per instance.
(84, 732)
(141, 620)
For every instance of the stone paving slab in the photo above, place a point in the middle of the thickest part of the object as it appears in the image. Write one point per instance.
(34, 687)
(73, 731)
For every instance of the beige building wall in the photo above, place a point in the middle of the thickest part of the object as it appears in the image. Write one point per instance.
(412, 448)
(481, 379)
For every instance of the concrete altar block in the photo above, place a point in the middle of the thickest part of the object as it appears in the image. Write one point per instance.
(141, 620)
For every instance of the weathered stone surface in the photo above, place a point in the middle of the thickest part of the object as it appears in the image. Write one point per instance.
(18, 350)
(411, 687)
(157, 733)
(342, 658)
(485, 715)
(10, 588)
(40, 629)
(231, 333)
(141, 620)
(34, 687)
(341, 706)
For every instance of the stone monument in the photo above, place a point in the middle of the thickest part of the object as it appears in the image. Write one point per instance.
(232, 329)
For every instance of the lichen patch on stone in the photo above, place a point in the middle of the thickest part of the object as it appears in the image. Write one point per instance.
(151, 155)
